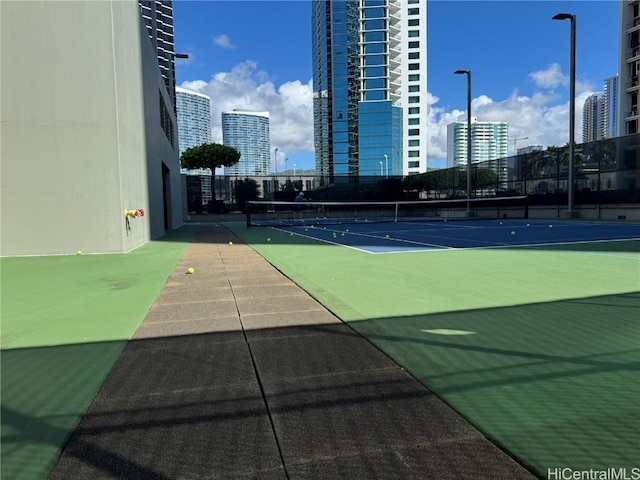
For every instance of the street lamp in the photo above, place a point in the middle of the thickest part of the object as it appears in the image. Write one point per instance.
(381, 168)
(386, 165)
(275, 157)
(468, 74)
(294, 169)
(572, 105)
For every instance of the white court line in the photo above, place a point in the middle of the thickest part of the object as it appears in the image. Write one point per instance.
(439, 247)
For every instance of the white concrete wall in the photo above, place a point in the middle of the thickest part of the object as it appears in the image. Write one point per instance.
(75, 134)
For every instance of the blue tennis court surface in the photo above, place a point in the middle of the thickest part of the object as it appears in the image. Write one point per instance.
(432, 236)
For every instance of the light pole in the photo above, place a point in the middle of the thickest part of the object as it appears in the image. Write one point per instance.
(468, 74)
(294, 169)
(286, 165)
(572, 105)
(275, 156)
(381, 168)
(386, 166)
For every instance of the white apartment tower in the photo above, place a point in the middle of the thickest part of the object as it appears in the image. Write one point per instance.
(194, 118)
(628, 67)
(611, 94)
(158, 18)
(248, 132)
(193, 113)
(414, 86)
(593, 118)
(489, 141)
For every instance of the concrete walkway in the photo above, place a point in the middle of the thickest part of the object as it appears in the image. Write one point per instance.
(236, 372)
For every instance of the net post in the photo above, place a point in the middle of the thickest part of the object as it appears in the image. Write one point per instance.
(396, 217)
(246, 206)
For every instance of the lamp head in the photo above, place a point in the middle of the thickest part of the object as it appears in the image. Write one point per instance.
(459, 72)
(181, 55)
(563, 16)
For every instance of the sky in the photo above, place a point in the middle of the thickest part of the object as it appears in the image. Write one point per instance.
(256, 55)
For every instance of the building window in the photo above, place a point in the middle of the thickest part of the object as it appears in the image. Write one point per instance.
(414, 22)
(414, 110)
(414, 121)
(414, 33)
(414, 131)
(414, 153)
(414, 44)
(414, 77)
(414, 143)
(414, 55)
(414, 99)
(414, 66)
(414, 11)
(414, 164)
(414, 88)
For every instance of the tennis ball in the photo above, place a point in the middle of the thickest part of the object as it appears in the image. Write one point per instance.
(268, 239)
(386, 236)
(550, 226)
(512, 232)
(190, 270)
(230, 243)
(79, 252)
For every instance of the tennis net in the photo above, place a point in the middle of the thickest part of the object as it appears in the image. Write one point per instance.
(265, 213)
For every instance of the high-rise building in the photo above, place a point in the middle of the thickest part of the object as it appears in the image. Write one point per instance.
(489, 141)
(628, 67)
(158, 18)
(593, 118)
(194, 118)
(611, 106)
(248, 132)
(369, 80)
(193, 113)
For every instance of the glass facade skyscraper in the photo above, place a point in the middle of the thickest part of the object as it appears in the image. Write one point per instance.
(369, 78)
(248, 132)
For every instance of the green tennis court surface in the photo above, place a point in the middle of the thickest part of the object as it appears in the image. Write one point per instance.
(65, 321)
(537, 346)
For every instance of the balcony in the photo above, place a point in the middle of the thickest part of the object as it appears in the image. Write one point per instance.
(631, 114)
(633, 54)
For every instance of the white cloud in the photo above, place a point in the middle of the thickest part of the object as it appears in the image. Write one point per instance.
(550, 78)
(246, 87)
(223, 41)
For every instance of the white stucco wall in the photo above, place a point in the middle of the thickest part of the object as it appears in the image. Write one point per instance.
(80, 130)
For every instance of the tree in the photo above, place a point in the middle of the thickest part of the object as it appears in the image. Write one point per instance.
(246, 189)
(211, 156)
(484, 179)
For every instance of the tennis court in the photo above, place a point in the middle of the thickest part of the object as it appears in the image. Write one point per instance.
(398, 237)
(533, 336)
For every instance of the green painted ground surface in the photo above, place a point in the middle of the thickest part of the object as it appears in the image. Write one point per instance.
(65, 321)
(538, 348)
